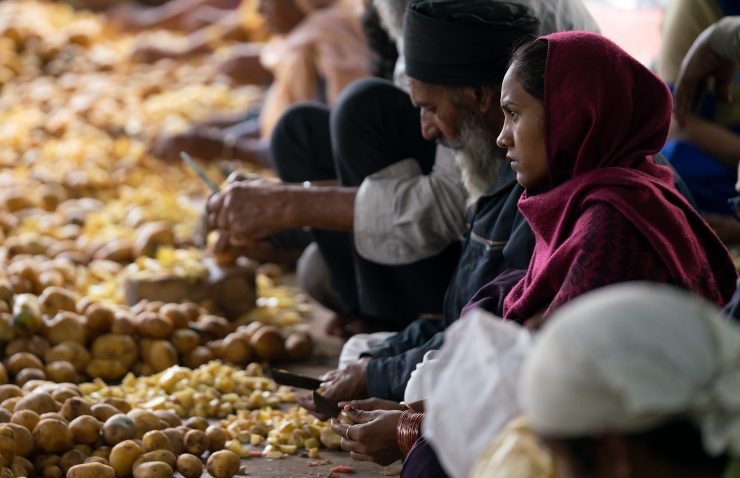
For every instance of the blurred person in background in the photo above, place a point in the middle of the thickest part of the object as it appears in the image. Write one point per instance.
(319, 47)
(704, 147)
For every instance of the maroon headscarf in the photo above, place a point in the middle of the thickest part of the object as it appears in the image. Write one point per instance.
(605, 115)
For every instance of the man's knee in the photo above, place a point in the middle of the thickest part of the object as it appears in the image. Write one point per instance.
(296, 131)
(365, 100)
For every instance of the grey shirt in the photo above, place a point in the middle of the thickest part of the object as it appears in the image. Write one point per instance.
(403, 216)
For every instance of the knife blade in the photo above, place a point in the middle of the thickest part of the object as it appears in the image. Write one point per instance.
(199, 171)
(283, 377)
(323, 404)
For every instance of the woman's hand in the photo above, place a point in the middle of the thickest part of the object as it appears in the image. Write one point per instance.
(372, 437)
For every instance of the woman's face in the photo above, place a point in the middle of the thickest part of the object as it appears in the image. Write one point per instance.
(281, 16)
(523, 133)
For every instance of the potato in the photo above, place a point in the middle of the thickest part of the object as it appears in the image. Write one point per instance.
(165, 456)
(23, 439)
(52, 436)
(144, 421)
(247, 331)
(71, 459)
(120, 250)
(156, 440)
(72, 352)
(75, 407)
(299, 346)
(189, 466)
(152, 236)
(56, 299)
(61, 371)
(123, 325)
(107, 369)
(198, 356)
(9, 391)
(29, 374)
(53, 416)
(196, 423)
(122, 348)
(26, 314)
(52, 471)
(25, 464)
(173, 312)
(196, 442)
(190, 310)
(169, 417)
(213, 326)
(123, 456)
(97, 459)
(155, 469)
(21, 360)
(177, 440)
(5, 415)
(26, 418)
(100, 319)
(185, 340)
(66, 326)
(7, 445)
(9, 404)
(103, 411)
(42, 461)
(223, 464)
(162, 355)
(235, 350)
(62, 394)
(117, 429)
(84, 449)
(85, 429)
(103, 452)
(154, 325)
(119, 403)
(216, 437)
(39, 402)
(268, 343)
(7, 332)
(91, 470)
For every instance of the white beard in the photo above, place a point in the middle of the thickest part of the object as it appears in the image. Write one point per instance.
(477, 156)
(391, 14)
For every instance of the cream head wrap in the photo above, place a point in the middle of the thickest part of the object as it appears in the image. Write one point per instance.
(630, 357)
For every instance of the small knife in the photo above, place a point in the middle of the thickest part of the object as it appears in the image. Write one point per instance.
(199, 171)
(323, 404)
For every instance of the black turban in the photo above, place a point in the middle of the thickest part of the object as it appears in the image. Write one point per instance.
(463, 42)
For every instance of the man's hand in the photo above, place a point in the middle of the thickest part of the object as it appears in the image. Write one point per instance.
(700, 64)
(372, 437)
(349, 383)
(251, 210)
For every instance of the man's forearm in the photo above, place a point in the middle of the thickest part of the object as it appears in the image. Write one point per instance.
(327, 207)
(712, 138)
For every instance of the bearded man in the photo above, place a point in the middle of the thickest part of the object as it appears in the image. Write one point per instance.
(388, 234)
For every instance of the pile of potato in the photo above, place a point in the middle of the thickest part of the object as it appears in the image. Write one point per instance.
(49, 430)
(57, 337)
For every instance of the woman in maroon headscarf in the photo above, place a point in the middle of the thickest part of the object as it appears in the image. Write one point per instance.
(582, 121)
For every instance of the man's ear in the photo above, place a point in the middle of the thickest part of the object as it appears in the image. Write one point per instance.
(485, 98)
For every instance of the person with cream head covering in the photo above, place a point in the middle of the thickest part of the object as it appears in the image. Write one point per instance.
(637, 380)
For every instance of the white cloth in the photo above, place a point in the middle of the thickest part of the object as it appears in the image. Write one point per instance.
(629, 357)
(360, 343)
(471, 388)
